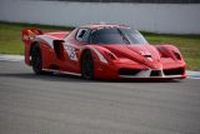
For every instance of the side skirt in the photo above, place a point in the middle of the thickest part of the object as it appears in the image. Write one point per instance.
(62, 72)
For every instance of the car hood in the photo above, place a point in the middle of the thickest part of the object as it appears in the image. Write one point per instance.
(144, 54)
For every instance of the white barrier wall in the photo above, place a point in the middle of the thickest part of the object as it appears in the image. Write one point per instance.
(160, 18)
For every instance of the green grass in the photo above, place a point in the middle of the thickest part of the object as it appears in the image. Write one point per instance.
(189, 45)
(10, 36)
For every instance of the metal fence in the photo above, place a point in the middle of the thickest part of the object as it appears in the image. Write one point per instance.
(136, 1)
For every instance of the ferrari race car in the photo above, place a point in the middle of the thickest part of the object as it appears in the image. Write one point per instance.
(101, 51)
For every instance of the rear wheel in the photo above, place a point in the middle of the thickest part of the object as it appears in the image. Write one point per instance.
(87, 66)
(36, 59)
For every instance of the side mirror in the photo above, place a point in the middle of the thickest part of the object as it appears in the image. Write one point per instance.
(59, 49)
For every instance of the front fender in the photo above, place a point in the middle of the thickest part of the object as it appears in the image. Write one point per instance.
(168, 50)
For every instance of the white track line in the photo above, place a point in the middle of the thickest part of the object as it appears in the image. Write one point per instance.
(16, 58)
(12, 58)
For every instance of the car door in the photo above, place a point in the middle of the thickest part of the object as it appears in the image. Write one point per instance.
(73, 45)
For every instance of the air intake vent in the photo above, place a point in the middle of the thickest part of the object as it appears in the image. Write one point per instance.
(176, 71)
(156, 73)
(147, 56)
(131, 72)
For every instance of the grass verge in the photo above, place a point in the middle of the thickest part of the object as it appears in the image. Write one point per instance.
(189, 45)
(10, 36)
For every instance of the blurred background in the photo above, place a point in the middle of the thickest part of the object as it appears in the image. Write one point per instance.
(159, 16)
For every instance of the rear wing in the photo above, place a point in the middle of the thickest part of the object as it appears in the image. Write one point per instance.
(28, 34)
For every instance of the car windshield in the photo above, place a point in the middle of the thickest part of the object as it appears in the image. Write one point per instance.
(116, 36)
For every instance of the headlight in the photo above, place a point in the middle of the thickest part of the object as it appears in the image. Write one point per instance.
(177, 55)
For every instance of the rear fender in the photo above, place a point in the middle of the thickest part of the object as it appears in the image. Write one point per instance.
(28, 36)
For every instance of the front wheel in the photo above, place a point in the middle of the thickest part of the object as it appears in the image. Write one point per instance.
(36, 59)
(87, 66)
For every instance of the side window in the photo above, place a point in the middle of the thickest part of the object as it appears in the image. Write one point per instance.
(83, 35)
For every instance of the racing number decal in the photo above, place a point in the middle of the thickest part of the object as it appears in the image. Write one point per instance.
(71, 51)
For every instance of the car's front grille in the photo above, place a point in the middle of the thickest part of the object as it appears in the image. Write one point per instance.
(126, 71)
(176, 71)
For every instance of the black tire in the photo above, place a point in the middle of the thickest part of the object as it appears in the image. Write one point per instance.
(36, 59)
(87, 66)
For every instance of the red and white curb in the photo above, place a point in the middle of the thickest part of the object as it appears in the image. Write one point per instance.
(17, 58)
(193, 74)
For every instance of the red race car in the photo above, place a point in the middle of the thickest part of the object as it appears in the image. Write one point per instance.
(101, 51)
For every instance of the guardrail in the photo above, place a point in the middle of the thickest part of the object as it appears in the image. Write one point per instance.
(159, 18)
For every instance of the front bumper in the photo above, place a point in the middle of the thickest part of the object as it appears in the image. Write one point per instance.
(105, 71)
(153, 74)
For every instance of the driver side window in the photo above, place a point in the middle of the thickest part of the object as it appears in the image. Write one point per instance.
(83, 35)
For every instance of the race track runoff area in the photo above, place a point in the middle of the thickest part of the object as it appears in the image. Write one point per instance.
(60, 104)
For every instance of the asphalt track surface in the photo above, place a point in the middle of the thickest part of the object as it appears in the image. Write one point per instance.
(61, 104)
